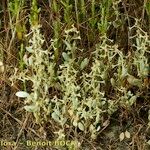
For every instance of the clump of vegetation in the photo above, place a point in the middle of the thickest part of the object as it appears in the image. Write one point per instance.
(80, 63)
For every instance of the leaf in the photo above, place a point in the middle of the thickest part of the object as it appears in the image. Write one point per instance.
(1, 67)
(127, 134)
(81, 126)
(68, 45)
(31, 108)
(84, 63)
(98, 128)
(93, 136)
(22, 94)
(29, 49)
(75, 123)
(65, 56)
(30, 59)
(132, 100)
(134, 81)
(149, 117)
(112, 81)
(55, 117)
(63, 121)
(148, 142)
(124, 72)
(91, 128)
(121, 136)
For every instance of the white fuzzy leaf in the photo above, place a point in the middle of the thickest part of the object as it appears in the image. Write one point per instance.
(29, 49)
(22, 94)
(81, 126)
(30, 60)
(127, 134)
(1, 67)
(121, 136)
(84, 63)
(55, 117)
(75, 123)
(65, 56)
(148, 142)
(98, 128)
(31, 108)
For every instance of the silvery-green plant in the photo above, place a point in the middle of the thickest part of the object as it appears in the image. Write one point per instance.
(67, 75)
(83, 99)
(94, 86)
(40, 71)
(140, 56)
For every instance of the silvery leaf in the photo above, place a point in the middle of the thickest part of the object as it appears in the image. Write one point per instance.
(31, 108)
(29, 49)
(127, 134)
(75, 123)
(22, 94)
(121, 136)
(84, 63)
(55, 117)
(81, 126)
(65, 56)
